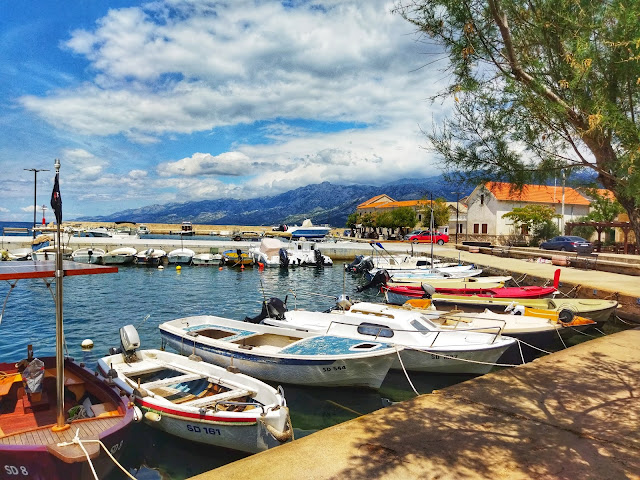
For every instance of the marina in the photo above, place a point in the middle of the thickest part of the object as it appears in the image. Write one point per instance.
(147, 297)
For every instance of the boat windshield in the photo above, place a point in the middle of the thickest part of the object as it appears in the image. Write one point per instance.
(375, 330)
(423, 325)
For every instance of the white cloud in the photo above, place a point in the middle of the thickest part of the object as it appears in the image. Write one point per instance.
(175, 67)
(6, 210)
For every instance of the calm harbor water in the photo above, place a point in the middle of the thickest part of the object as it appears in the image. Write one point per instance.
(96, 306)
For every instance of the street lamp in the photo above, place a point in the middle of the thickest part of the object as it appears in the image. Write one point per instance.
(457, 210)
(35, 188)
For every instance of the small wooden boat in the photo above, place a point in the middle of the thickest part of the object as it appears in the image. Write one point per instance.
(282, 355)
(43, 433)
(466, 282)
(196, 400)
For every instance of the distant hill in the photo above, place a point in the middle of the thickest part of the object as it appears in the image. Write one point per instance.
(322, 203)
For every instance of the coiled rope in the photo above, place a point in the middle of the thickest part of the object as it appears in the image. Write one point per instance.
(77, 441)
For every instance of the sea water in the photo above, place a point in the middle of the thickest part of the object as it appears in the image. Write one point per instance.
(96, 306)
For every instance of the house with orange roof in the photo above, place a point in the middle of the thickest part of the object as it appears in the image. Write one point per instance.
(489, 202)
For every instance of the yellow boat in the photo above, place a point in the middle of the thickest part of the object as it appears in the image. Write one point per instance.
(234, 258)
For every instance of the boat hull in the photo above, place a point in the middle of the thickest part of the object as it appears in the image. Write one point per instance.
(368, 372)
(437, 361)
(24, 453)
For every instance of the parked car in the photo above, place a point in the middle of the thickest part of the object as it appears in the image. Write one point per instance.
(568, 244)
(412, 233)
(426, 237)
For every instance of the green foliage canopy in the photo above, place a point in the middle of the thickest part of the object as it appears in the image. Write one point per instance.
(539, 86)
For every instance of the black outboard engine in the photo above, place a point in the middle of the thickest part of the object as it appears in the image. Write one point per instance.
(356, 261)
(365, 265)
(284, 258)
(379, 279)
(318, 257)
(274, 308)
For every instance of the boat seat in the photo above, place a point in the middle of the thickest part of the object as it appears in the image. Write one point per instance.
(7, 381)
(173, 380)
(206, 401)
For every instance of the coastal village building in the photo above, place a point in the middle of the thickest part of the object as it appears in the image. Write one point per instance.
(489, 202)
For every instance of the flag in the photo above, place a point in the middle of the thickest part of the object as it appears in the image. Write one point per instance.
(56, 201)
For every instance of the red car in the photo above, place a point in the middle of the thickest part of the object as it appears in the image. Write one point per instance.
(427, 237)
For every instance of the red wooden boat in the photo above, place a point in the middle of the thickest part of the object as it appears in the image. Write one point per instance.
(38, 425)
(398, 294)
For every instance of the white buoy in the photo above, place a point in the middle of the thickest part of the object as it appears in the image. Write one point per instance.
(152, 416)
(137, 414)
(160, 267)
(87, 344)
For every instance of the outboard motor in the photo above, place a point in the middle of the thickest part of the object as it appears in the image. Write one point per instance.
(318, 258)
(379, 279)
(343, 302)
(274, 308)
(356, 261)
(429, 290)
(365, 265)
(284, 258)
(129, 343)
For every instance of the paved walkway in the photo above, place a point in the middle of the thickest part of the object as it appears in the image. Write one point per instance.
(570, 415)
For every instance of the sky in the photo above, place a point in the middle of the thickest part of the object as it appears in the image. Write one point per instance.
(184, 100)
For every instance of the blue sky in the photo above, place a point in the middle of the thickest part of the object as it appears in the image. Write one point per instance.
(179, 100)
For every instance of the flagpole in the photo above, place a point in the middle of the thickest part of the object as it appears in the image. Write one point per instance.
(60, 417)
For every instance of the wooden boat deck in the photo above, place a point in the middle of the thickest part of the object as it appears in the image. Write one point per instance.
(90, 428)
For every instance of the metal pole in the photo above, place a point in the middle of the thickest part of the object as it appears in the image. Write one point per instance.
(457, 211)
(35, 188)
(60, 417)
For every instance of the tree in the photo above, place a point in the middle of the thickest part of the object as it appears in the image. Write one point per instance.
(538, 87)
(404, 217)
(440, 212)
(538, 219)
(603, 209)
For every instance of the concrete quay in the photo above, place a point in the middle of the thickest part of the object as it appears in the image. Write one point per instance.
(569, 415)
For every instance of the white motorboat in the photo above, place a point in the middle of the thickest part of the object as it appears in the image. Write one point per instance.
(181, 256)
(88, 255)
(308, 230)
(143, 229)
(151, 257)
(306, 253)
(427, 346)
(196, 400)
(122, 233)
(119, 256)
(280, 354)
(19, 254)
(49, 253)
(268, 252)
(206, 259)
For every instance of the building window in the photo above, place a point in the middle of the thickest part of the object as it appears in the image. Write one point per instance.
(485, 228)
(476, 228)
(459, 228)
(482, 199)
(419, 217)
(524, 230)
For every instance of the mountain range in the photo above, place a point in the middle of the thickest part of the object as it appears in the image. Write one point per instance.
(322, 203)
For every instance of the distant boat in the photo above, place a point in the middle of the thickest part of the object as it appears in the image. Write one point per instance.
(103, 232)
(234, 258)
(49, 253)
(181, 256)
(151, 257)
(143, 229)
(206, 259)
(308, 230)
(119, 256)
(88, 255)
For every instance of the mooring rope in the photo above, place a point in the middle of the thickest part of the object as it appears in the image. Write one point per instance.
(405, 372)
(77, 441)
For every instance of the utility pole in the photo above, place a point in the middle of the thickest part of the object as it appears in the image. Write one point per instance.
(457, 210)
(35, 188)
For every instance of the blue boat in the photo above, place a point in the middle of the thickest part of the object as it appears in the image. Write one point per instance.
(308, 230)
